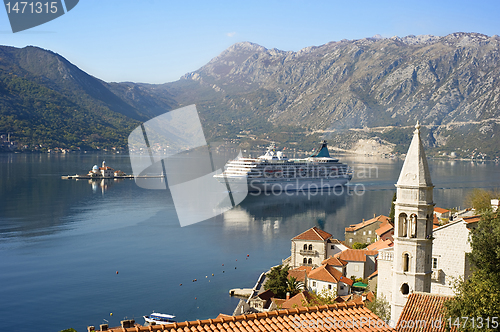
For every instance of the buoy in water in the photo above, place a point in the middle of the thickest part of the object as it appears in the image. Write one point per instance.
(222, 264)
(206, 276)
(195, 298)
(248, 255)
(116, 272)
(212, 274)
(235, 267)
(111, 314)
(180, 284)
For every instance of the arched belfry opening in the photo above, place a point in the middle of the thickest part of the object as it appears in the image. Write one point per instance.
(413, 225)
(402, 225)
(406, 262)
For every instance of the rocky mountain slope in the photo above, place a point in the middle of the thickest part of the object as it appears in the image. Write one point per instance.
(372, 89)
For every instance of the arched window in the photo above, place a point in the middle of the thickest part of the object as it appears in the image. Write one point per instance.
(413, 225)
(310, 261)
(304, 261)
(405, 289)
(402, 225)
(305, 246)
(310, 247)
(406, 262)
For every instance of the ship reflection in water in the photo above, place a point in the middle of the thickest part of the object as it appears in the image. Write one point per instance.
(291, 212)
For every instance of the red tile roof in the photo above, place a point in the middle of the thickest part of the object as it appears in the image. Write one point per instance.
(313, 234)
(329, 274)
(355, 255)
(334, 261)
(300, 300)
(300, 273)
(381, 218)
(380, 244)
(384, 228)
(423, 308)
(471, 219)
(440, 210)
(280, 320)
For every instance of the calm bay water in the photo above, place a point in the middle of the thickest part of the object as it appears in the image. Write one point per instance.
(62, 241)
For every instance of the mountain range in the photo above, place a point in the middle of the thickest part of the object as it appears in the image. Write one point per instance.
(350, 91)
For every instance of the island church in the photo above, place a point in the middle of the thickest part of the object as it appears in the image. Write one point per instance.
(406, 267)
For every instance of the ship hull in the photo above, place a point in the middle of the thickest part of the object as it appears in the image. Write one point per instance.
(279, 185)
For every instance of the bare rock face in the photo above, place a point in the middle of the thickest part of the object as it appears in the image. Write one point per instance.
(360, 83)
(367, 82)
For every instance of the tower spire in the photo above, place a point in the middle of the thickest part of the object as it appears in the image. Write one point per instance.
(415, 171)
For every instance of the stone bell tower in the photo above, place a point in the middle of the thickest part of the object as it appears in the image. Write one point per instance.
(414, 210)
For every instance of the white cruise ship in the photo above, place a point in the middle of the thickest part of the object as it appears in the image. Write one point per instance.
(274, 172)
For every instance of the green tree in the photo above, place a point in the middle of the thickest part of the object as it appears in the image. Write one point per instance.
(359, 245)
(393, 211)
(277, 281)
(480, 200)
(479, 296)
(294, 286)
(380, 307)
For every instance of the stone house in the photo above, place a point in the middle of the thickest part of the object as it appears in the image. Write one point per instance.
(449, 254)
(360, 262)
(327, 277)
(313, 246)
(365, 231)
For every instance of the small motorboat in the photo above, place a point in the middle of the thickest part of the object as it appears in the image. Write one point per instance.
(159, 319)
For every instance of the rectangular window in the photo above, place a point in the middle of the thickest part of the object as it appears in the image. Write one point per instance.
(369, 232)
(364, 233)
(350, 240)
(332, 247)
(341, 287)
(368, 240)
(354, 233)
(356, 268)
(314, 283)
(434, 263)
(329, 286)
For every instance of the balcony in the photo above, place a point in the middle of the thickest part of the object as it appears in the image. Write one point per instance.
(308, 252)
(436, 274)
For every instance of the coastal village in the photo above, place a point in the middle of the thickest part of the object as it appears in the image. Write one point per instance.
(411, 262)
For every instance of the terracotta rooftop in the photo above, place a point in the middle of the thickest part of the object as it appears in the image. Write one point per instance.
(380, 244)
(440, 210)
(355, 255)
(313, 234)
(279, 320)
(300, 273)
(329, 274)
(423, 308)
(374, 274)
(381, 218)
(384, 228)
(301, 300)
(334, 261)
(335, 241)
(471, 219)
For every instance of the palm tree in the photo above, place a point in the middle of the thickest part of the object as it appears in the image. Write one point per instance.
(294, 286)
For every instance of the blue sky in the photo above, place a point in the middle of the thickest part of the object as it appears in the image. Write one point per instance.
(157, 41)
